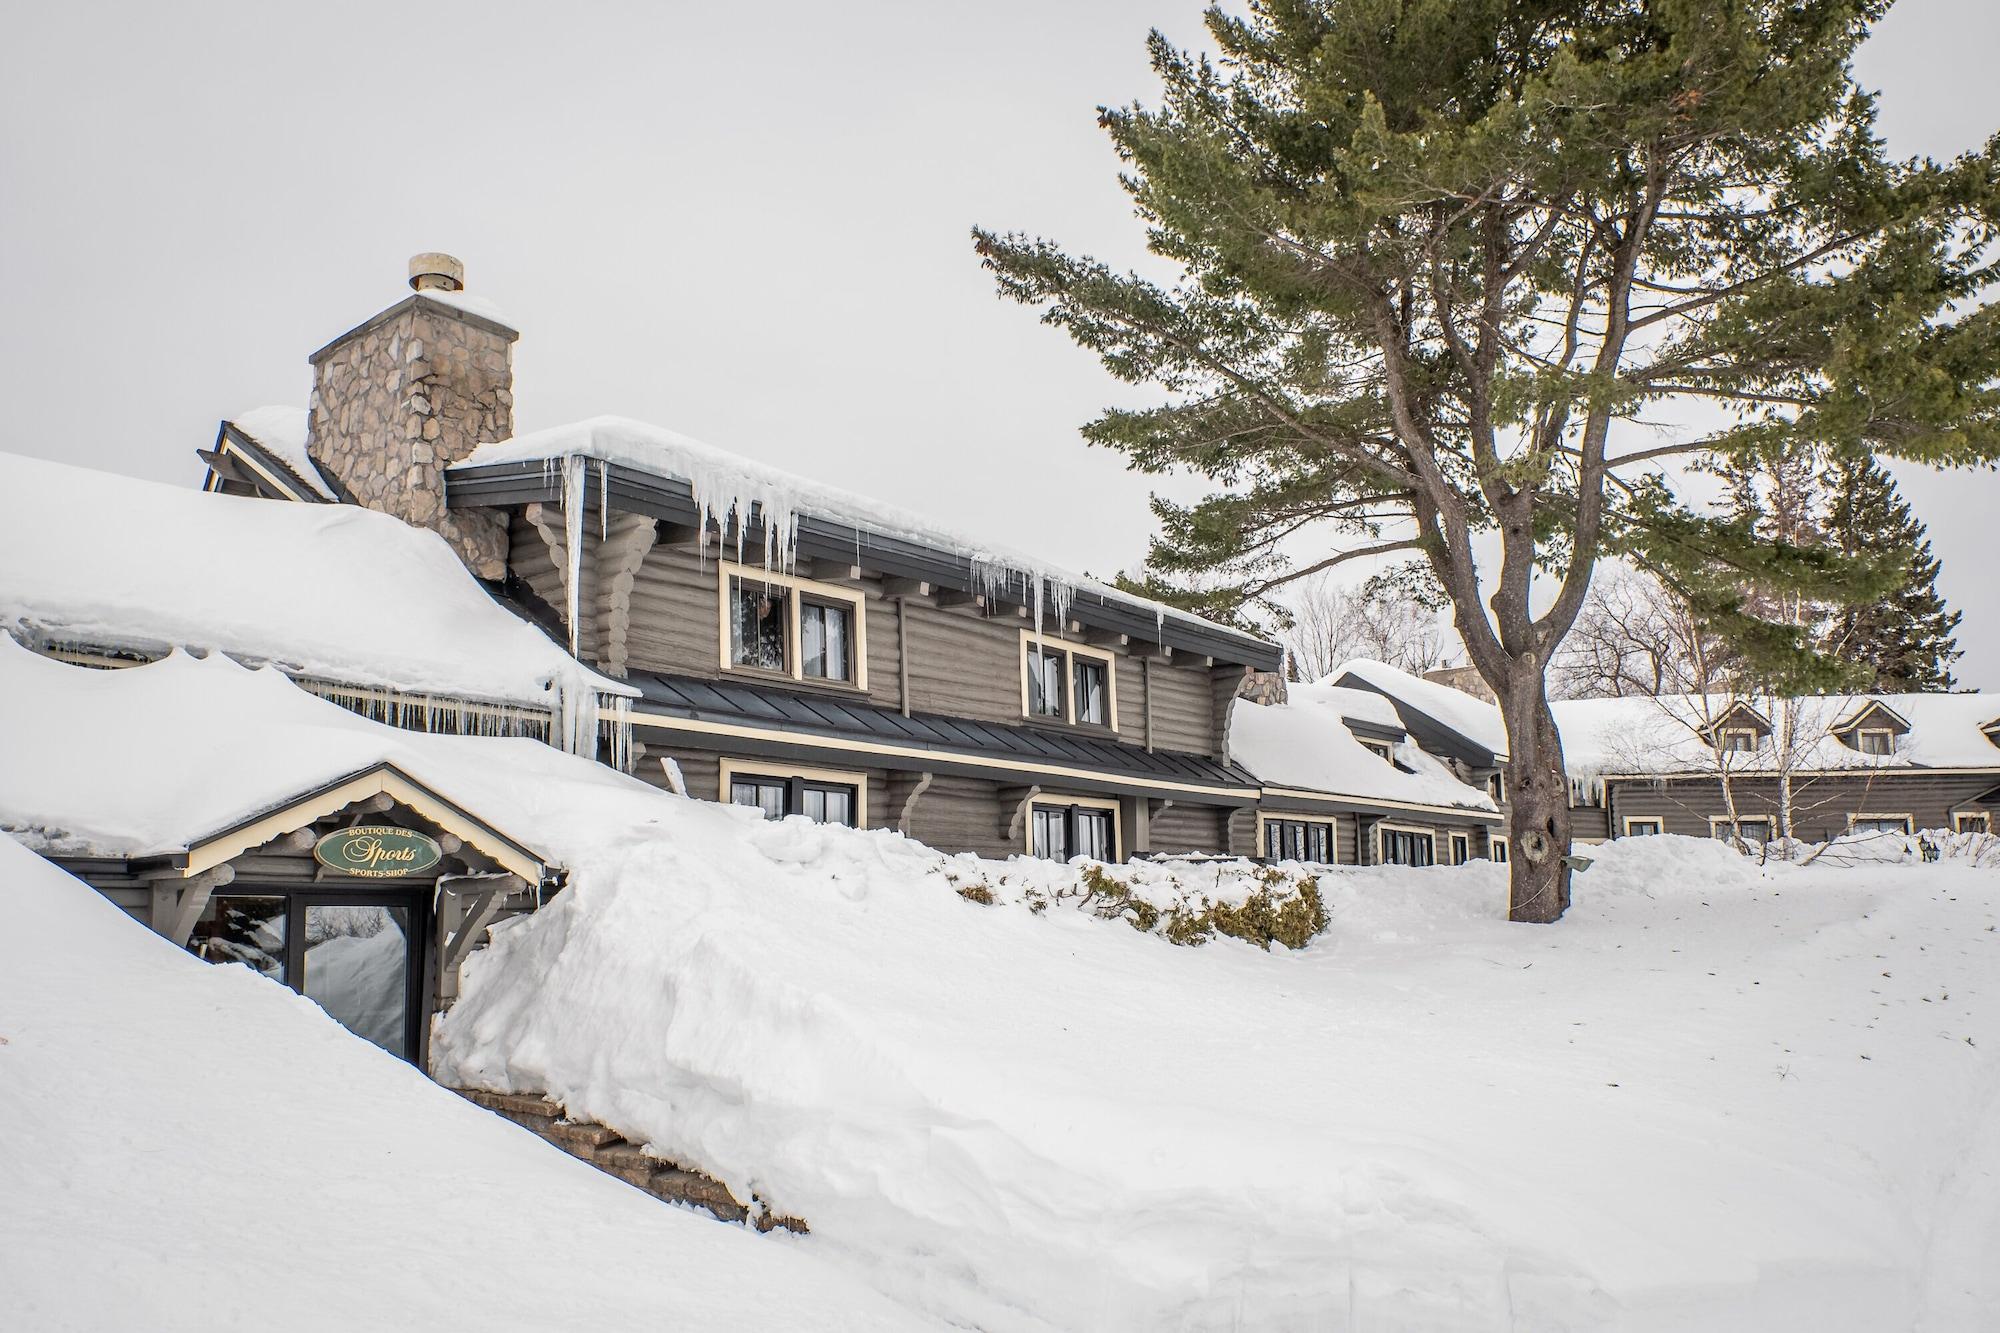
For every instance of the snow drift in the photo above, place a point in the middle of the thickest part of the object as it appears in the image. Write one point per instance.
(193, 1147)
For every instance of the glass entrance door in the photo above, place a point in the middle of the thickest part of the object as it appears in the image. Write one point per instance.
(357, 966)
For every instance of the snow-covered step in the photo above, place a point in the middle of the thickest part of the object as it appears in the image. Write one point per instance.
(606, 1150)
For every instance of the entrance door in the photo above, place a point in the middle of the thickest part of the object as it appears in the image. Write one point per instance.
(358, 955)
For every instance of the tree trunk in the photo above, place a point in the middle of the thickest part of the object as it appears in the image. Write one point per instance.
(1538, 793)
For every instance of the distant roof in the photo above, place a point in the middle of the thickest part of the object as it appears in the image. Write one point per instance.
(654, 470)
(1645, 735)
(1306, 743)
(1471, 719)
(334, 592)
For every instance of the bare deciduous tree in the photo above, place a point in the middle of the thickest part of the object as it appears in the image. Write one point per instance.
(1333, 623)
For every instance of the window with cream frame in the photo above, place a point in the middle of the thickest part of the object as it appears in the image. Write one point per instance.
(1753, 829)
(1068, 682)
(1639, 826)
(1060, 827)
(1880, 823)
(776, 624)
(1875, 740)
(823, 795)
(1971, 821)
(1737, 740)
(1404, 845)
(1285, 837)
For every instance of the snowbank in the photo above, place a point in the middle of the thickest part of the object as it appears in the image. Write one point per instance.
(187, 1146)
(333, 592)
(1305, 742)
(1717, 1097)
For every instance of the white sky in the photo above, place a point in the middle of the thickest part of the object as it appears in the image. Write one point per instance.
(745, 223)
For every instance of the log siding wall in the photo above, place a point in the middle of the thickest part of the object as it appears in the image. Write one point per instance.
(1821, 803)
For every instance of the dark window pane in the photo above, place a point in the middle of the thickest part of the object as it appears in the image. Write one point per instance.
(1050, 840)
(1322, 844)
(1045, 683)
(1091, 705)
(1274, 841)
(1403, 848)
(244, 930)
(758, 615)
(828, 804)
(763, 793)
(357, 964)
(823, 640)
(1093, 834)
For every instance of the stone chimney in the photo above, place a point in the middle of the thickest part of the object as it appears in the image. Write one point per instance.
(1464, 679)
(398, 398)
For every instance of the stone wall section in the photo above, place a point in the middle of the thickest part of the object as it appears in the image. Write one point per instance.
(401, 397)
(605, 1150)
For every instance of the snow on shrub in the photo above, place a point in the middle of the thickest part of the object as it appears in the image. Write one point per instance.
(1185, 902)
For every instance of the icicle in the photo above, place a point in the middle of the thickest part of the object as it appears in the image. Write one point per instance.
(575, 494)
(603, 501)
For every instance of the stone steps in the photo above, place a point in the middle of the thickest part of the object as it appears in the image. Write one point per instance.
(604, 1149)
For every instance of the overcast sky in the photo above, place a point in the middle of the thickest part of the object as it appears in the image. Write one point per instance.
(748, 223)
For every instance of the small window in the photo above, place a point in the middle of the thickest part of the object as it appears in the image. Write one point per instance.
(760, 613)
(1867, 824)
(825, 633)
(1971, 821)
(1739, 740)
(1648, 826)
(1045, 683)
(1753, 829)
(1876, 741)
(1497, 851)
(1461, 848)
(1298, 840)
(1496, 787)
(1062, 832)
(1382, 748)
(1406, 847)
(1090, 691)
(822, 802)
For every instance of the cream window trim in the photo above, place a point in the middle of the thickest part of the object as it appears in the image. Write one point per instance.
(1659, 824)
(1073, 650)
(838, 777)
(1724, 736)
(853, 598)
(1971, 821)
(1388, 826)
(1382, 750)
(1058, 800)
(1282, 817)
(1720, 824)
(1909, 821)
(1499, 843)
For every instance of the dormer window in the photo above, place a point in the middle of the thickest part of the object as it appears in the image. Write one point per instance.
(1875, 740)
(1386, 751)
(1737, 740)
(1067, 682)
(780, 625)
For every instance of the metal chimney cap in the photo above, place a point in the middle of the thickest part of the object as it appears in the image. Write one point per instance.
(436, 271)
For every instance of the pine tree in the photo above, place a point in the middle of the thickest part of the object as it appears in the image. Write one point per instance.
(1444, 263)
(1906, 638)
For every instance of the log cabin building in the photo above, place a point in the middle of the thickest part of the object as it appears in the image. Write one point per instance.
(808, 651)
(1749, 768)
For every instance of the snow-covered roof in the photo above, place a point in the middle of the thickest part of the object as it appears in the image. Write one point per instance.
(333, 592)
(281, 432)
(1455, 710)
(1356, 705)
(726, 484)
(150, 759)
(1664, 735)
(1305, 743)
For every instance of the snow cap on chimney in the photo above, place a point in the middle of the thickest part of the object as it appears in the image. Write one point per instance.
(433, 270)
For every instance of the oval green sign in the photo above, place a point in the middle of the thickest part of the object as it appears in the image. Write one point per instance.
(377, 851)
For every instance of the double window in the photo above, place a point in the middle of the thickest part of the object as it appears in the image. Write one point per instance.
(1406, 847)
(1643, 825)
(1738, 740)
(824, 798)
(1064, 682)
(1875, 740)
(1299, 840)
(1753, 829)
(1971, 821)
(1879, 823)
(793, 627)
(1058, 832)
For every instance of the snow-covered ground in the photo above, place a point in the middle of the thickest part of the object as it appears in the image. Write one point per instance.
(184, 1146)
(1717, 1096)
